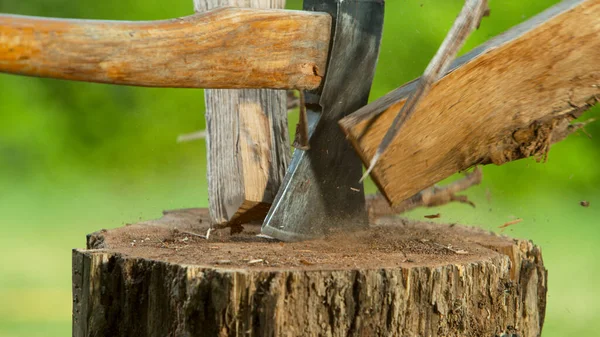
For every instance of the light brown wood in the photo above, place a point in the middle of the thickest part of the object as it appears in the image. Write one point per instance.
(500, 103)
(223, 48)
(247, 141)
(396, 279)
(468, 20)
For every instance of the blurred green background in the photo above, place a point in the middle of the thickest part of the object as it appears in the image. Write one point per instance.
(77, 157)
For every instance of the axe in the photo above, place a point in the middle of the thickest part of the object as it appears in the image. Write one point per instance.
(329, 50)
(321, 190)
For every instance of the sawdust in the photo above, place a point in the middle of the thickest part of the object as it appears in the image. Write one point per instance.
(394, 242)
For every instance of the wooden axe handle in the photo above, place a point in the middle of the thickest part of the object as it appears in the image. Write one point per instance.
(223, 48)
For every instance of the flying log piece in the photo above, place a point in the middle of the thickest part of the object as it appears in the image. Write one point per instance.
(222, 48)
(500, 102)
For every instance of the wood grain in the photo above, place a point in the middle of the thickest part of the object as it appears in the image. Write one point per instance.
(421, 279)
(468, 20)
(223, 48)
(247, 141)
(499, 102)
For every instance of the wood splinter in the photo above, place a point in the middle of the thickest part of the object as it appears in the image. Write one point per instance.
(467, 21)
(378, 207)
(499, 103)
(301, 141)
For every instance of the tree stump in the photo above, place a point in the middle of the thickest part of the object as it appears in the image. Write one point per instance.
(397, 278)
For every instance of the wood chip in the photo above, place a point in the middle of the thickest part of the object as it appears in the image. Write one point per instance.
(510, 223)
(267, 237)
(192, 234)
(306, 263)
(449, 247)
(256, 261)
(188, 137)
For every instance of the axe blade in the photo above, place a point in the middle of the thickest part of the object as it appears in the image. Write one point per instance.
(321, 189)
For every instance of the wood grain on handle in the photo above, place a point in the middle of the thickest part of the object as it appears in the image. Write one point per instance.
(223, 48)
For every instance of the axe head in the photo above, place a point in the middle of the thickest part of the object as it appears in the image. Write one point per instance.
(321, 189)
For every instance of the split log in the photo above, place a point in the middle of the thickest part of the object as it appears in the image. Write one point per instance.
(398, 278)
(223, 48)
(247, 140)
(501, 102)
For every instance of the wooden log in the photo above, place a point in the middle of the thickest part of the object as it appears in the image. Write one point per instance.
(247, 141)
(400, 278)
(499, 103)
(223, 48)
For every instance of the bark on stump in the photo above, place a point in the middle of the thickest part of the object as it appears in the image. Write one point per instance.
(398, 278)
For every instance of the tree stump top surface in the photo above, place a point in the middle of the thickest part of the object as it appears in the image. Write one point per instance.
(391, 243)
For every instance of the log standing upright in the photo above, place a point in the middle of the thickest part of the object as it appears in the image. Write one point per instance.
(247, 142)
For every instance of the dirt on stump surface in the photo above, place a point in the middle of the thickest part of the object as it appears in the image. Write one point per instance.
(395, 242)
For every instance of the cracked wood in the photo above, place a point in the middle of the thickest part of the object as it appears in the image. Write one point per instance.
(499, 103)
(247, 140)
